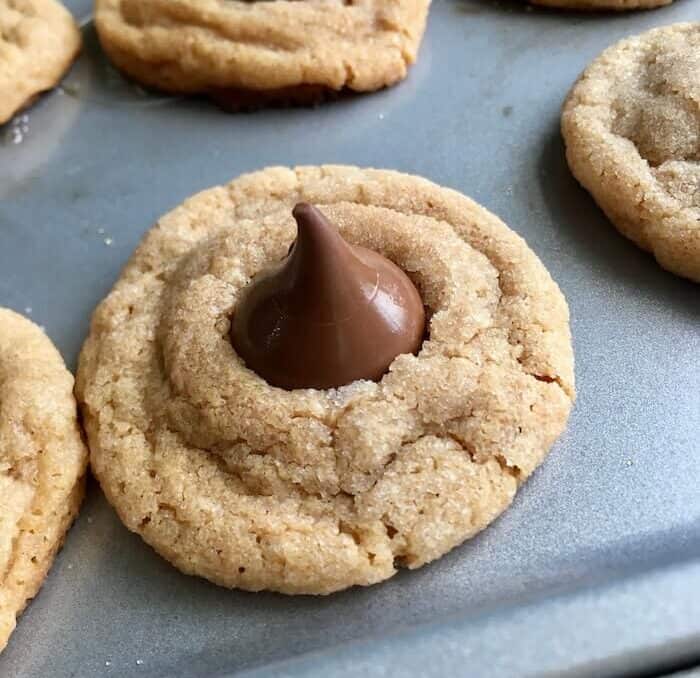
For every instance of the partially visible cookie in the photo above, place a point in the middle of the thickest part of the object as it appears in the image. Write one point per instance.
(42, 462)
(610, 5)
(631, 125)
(309, 490)
(262, 52)
(38, 42)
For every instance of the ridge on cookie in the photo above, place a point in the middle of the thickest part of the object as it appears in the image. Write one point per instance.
(329, 314)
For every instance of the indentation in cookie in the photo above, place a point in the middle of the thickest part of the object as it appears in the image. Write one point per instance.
(658, 106)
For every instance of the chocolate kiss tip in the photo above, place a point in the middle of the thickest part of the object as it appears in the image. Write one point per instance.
(312, 223)
(303, 211)
(329, 314)
(316, 233)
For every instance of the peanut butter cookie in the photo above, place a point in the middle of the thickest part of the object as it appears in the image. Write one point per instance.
(42, 462)
(306, 490)
(631, 125)
(38, 42)
(245, 54)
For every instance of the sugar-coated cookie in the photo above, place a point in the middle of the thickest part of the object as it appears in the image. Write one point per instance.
(38, 42)
(42, 462)
(631, 125)
(312, 491)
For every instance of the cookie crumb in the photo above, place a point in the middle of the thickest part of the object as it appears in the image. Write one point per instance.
(18, 129)
(71, 89)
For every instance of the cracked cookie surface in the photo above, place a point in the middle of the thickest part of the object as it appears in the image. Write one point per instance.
(38, 42)
(42, 462)
(631, 125)
(282, 48)
(312, 491)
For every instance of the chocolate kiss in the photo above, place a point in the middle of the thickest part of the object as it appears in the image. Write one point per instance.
(328, 314)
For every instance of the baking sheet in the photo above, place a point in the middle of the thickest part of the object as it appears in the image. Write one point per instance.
(595, 568)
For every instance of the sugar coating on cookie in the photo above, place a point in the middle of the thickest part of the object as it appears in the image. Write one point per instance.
(311, 491)
(631, 126)
(609, 5)
(283, 49)
(38, 42)
(42, 462)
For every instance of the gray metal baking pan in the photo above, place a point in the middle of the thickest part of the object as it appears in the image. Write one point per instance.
(595, 570)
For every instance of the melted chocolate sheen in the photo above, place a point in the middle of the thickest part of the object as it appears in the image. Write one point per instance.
(329, 314)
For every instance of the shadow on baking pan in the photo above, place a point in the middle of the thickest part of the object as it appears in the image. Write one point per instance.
(94, 79)
(596, 240)
(491, 6)
(523, 7)
(140, 606)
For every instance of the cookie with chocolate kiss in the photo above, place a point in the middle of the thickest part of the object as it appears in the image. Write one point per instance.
(291, 488)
